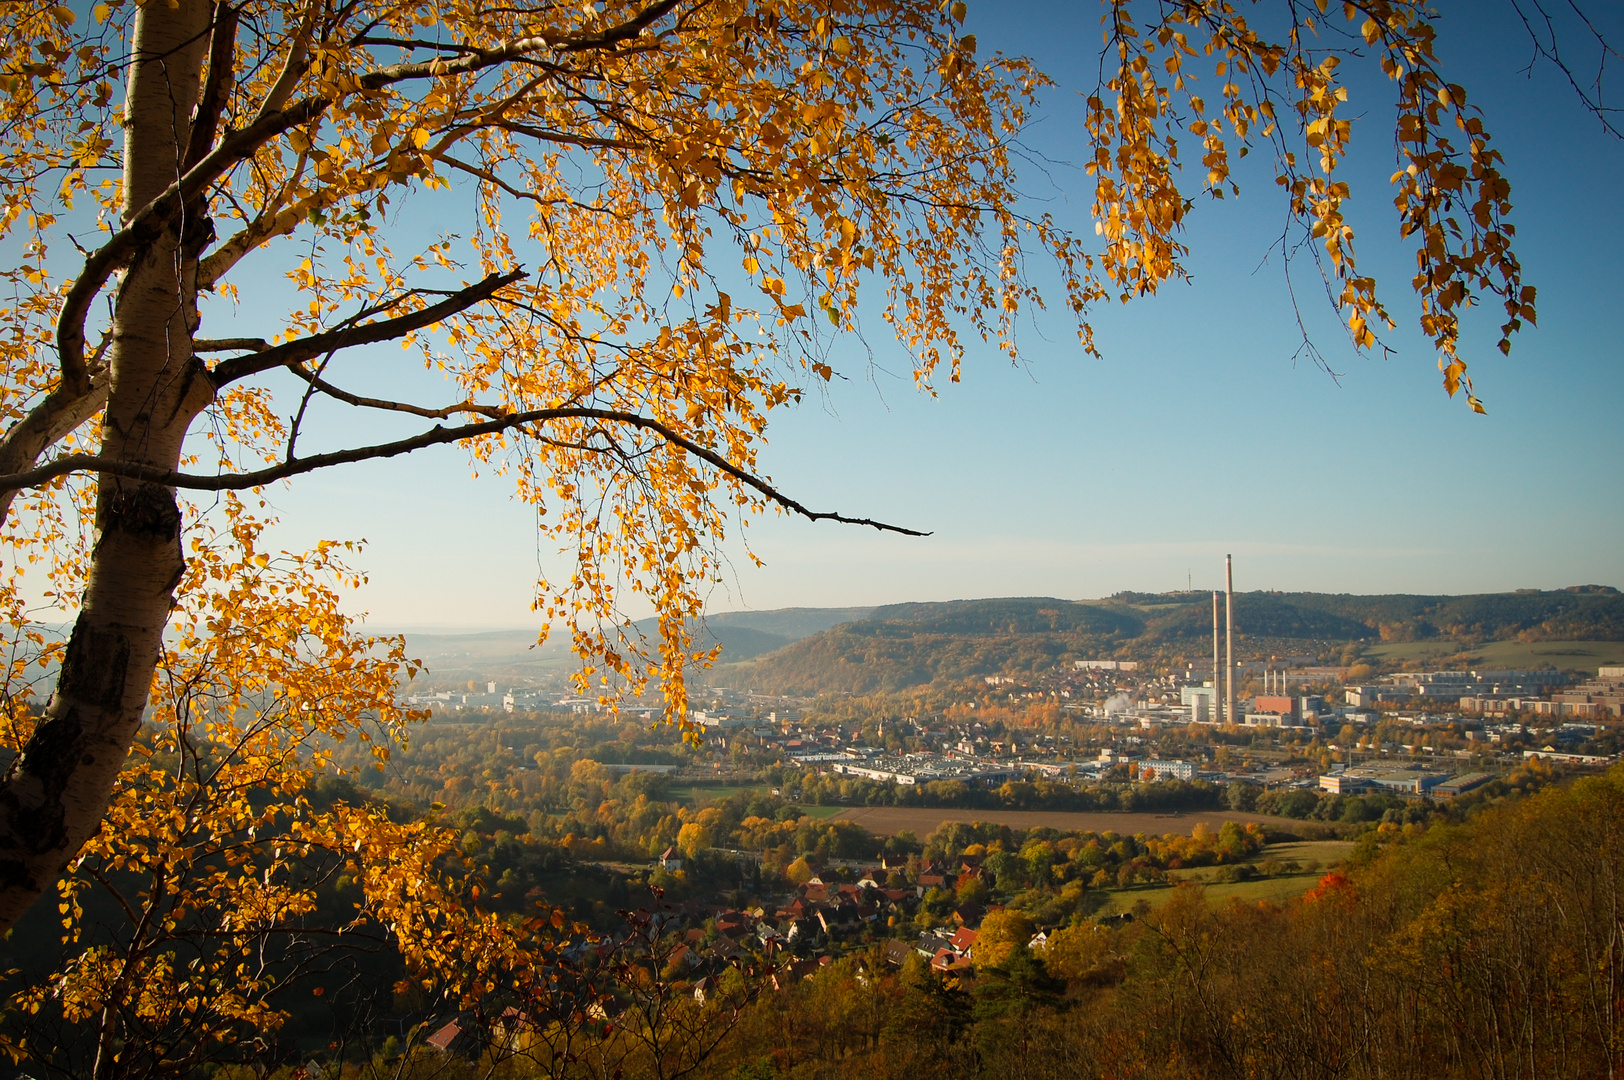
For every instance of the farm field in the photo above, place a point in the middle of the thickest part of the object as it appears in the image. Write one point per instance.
(1327, 853)
(886, 820)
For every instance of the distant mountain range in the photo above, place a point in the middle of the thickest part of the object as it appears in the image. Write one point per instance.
(866, 649)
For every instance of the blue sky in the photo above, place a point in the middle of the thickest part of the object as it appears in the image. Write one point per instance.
(1196, 434)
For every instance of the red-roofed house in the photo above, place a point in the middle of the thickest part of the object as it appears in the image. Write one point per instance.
(963, 940)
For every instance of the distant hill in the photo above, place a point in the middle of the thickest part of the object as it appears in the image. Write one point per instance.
(902, 645)
(1017, 615)
(906, 645)
(1267, 615)
(862, 649)
(503, 655)
(1580, 613)
(793, 623)
(746, 634)
(508, 655)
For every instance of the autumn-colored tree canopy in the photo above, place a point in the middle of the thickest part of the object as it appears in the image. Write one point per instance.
(680, 205)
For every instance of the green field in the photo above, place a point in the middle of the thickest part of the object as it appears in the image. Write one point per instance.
(1315, 856)
(1514, 655)
(694, 794)
(1272, 889)
(1327, 853)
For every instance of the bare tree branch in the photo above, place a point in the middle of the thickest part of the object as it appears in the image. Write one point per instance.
(360, 401)
(307, 348)
(293, 65)
(1547, 47)
(230, 344)
(60, 413)
(476, 59)
(437, 436)
(147, 224)
(217, 80)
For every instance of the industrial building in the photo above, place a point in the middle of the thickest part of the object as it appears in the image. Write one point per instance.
(1201, 701)
(1401, 782)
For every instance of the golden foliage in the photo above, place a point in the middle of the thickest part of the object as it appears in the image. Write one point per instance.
(1001, 933)
(1285, 93)
(619, 151)
(214, 850)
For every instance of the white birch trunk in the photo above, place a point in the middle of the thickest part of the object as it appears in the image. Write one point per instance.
(53, 797)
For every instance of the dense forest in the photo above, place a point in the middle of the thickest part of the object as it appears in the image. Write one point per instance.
(905, 645)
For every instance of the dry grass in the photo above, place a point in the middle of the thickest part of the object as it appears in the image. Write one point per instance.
(1314, 856)
(696, 794)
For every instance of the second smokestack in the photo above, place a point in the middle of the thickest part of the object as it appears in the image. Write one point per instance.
(1229, 640)
(1217, 678)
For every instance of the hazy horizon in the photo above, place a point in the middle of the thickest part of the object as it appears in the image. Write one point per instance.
(477, 630)
(1201, 431)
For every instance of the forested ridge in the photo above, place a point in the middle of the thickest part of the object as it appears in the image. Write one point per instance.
(905, 645)
(1581, 613)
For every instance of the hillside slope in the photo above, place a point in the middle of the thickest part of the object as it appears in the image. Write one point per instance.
(903, 645)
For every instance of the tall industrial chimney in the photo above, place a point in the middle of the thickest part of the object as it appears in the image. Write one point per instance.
(1217, 679)
(1229, 640)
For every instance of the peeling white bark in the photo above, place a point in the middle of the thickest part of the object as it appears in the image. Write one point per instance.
(53, 797)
